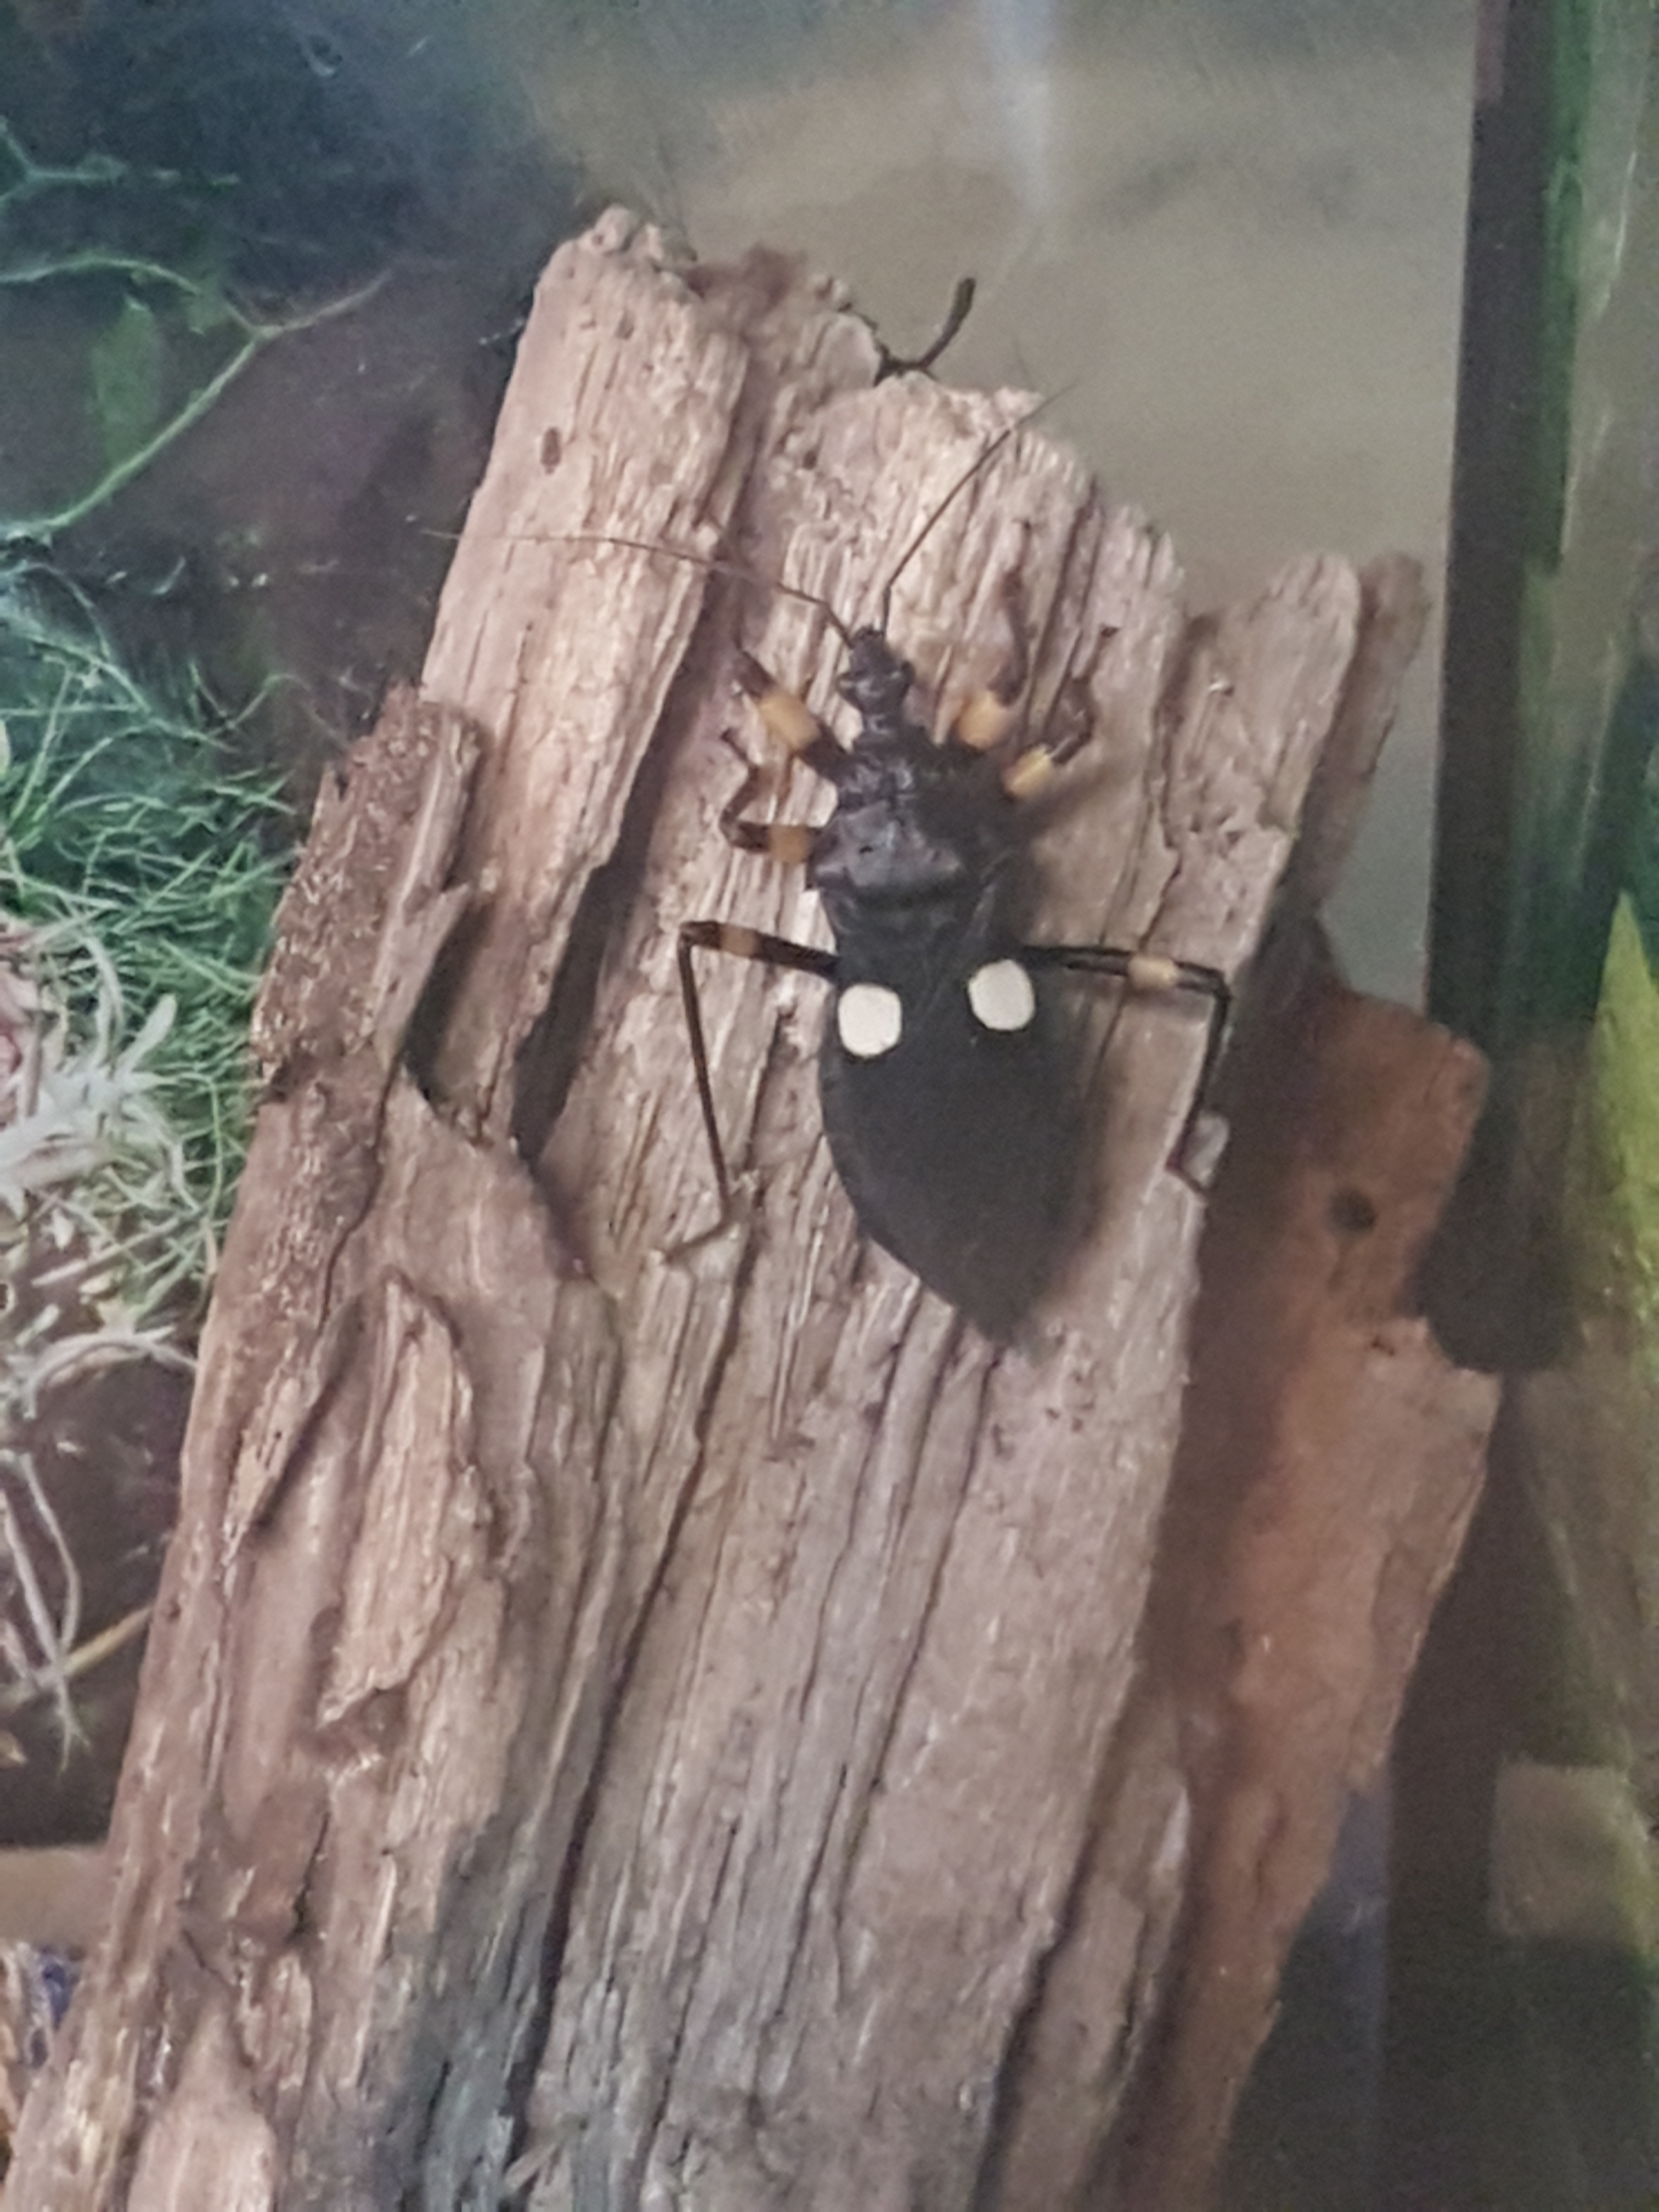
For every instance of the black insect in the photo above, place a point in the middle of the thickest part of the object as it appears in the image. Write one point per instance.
(948, 1100)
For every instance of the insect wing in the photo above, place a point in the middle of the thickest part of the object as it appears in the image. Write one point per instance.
(956, 1144)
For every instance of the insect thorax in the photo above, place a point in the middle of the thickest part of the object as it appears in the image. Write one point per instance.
(916, 854)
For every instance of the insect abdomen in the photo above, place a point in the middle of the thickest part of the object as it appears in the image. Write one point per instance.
(956, 1144)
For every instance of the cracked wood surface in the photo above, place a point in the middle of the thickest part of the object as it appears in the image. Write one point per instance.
(628, 1707)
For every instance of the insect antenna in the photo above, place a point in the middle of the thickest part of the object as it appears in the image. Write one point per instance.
(716, 567)
(980, 461)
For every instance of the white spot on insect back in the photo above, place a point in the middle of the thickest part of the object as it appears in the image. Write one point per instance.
(869, 1019)
(1001, 995)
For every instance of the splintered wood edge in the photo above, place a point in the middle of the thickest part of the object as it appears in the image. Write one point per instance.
(364, 880)
(1396, 612)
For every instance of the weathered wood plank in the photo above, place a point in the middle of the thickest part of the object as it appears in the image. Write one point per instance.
(630, 1713)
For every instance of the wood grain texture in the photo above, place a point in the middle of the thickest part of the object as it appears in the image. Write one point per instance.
(629, 1706)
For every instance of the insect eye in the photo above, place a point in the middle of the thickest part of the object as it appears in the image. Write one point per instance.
(1001, 995)
(868, 1019)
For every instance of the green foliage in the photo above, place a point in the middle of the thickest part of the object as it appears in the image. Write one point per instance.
(147, 869)
(163, 338)
(1616, 1212)
(1643, 863)
(139, 874)
(128, 361)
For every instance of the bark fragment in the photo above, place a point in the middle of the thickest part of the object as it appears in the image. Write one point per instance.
(1330, 1462)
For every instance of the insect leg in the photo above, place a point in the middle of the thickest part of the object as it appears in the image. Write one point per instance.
(742, 945)
(1032, 771)
(1149, 972)
(985, 719)
(790, 722)
(789, 844)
